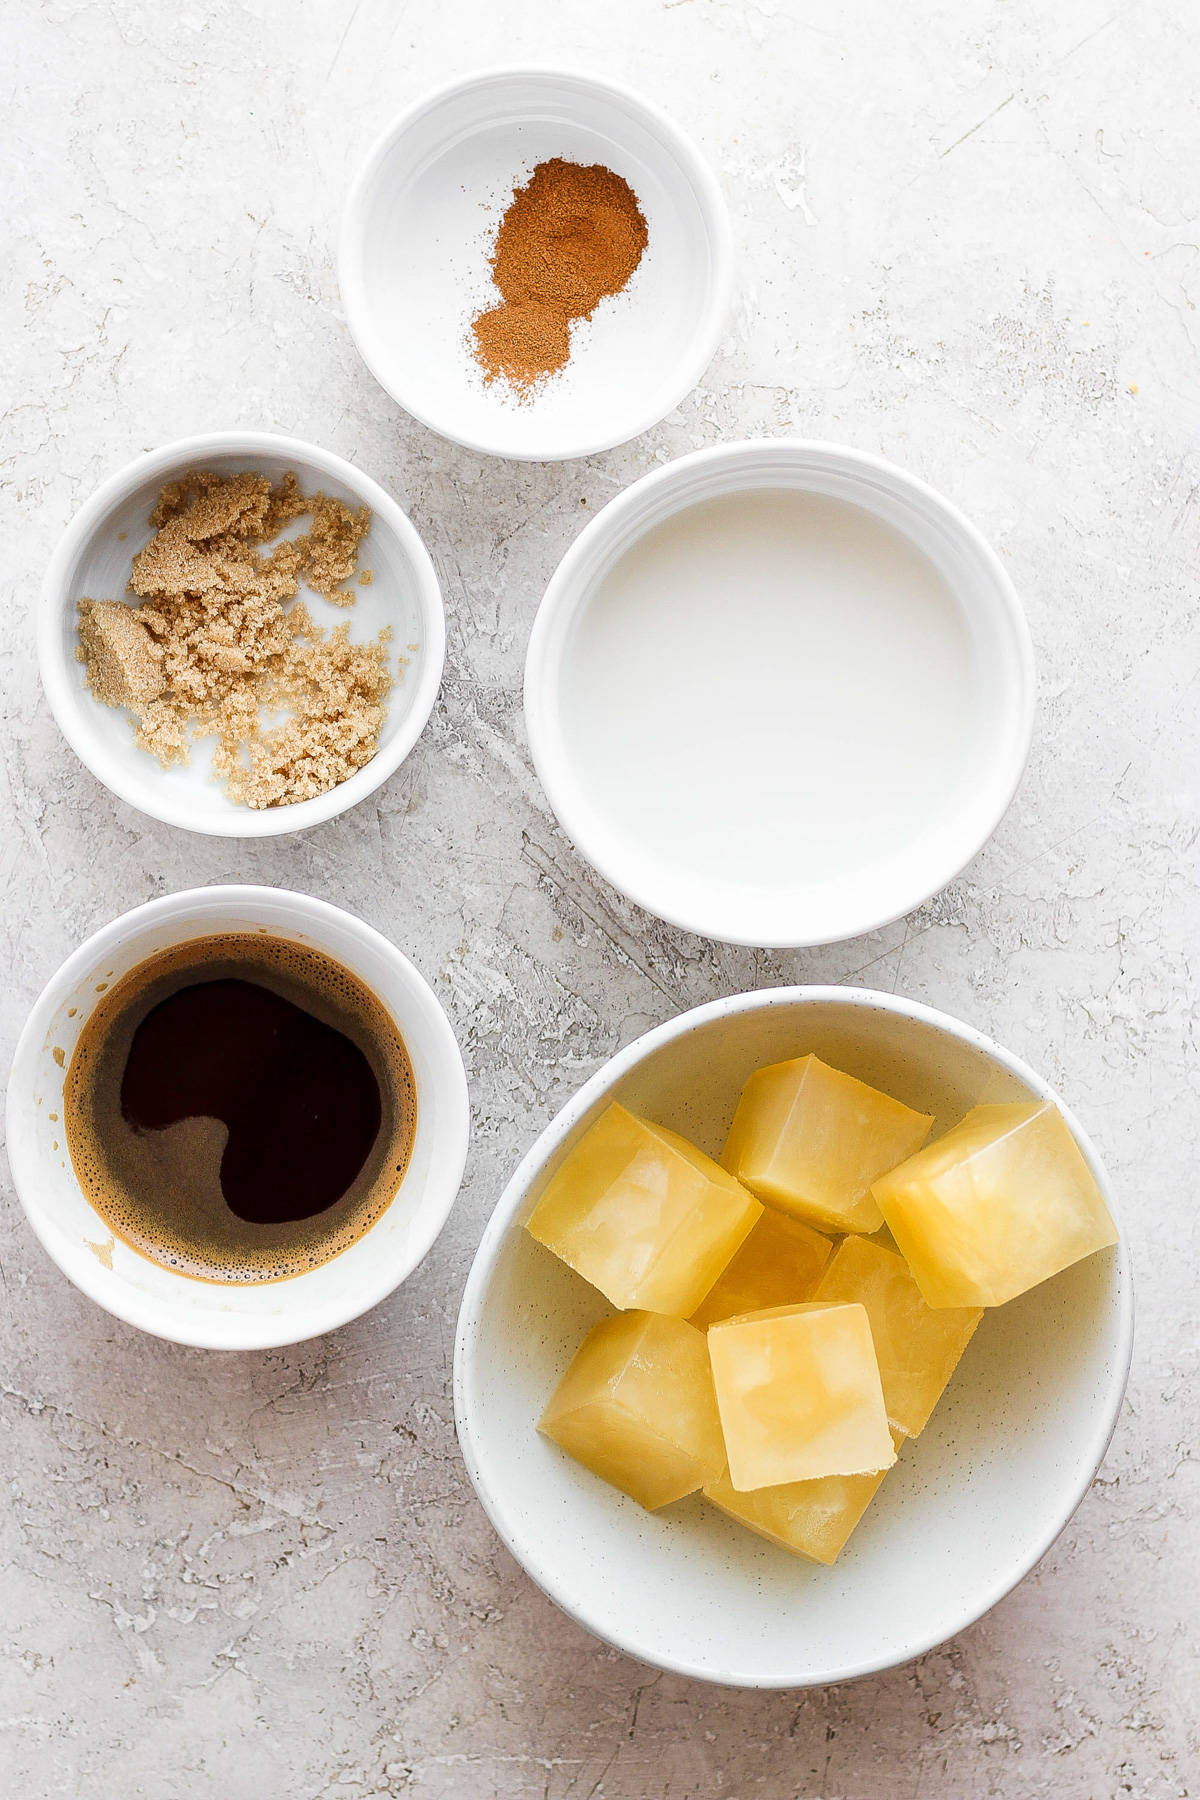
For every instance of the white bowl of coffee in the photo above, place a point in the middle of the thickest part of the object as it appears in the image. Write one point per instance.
(237, 1117)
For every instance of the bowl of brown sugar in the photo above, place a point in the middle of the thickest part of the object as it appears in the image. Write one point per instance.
(241, 634)
(536, 264)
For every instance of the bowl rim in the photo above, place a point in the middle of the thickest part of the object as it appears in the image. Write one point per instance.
(701, 178)
(119, 773)
(594, 548)
(503, 1220)
(213, 1330)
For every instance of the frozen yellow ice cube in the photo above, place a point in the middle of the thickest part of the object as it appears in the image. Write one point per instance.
(811, 1140)
(809, 1518)
(636, 1407)
(643, 1215)
(799, 1395)
(995, 1206)
(917, 1346)
(1003, 1201)
(779, 1264)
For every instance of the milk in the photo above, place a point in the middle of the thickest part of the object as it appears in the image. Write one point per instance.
(771, 689)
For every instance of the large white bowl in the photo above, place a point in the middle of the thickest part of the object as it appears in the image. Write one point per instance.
(779, 692)
(92, 560)
(212, 1314)
(415, 240)
(973, 1502)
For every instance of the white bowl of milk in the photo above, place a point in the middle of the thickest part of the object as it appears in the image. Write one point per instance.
(779, 692)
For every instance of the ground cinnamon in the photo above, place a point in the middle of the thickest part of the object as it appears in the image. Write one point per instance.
(572, 235)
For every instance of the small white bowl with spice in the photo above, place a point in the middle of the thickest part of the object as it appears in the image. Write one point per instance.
(278, 653)
(536, 264)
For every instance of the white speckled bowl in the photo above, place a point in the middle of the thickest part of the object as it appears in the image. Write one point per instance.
(93, 559)
(971, 1506)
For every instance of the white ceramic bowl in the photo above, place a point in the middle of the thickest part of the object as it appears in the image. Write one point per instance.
(779, 692)
(973, 1502)
(210, 1314)
(92, 560)
(417, 232)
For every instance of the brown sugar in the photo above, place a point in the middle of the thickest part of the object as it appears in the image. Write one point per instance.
(331, 548)
(215, 643)
(571, 236)
(124, 662)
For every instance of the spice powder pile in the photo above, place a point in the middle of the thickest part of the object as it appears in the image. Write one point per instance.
(211, 646)
(571, 236)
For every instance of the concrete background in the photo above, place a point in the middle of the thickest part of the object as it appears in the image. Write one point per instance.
(968, 240)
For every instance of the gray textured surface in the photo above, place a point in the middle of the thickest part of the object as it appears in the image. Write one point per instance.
(968, 240)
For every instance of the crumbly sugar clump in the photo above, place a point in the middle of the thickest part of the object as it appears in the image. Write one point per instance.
(215, 642)
(124, 662)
